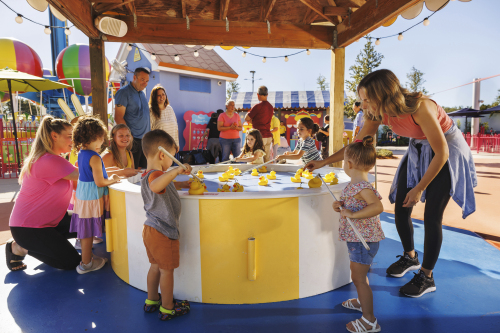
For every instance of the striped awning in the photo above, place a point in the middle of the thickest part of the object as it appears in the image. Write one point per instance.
(285, 99)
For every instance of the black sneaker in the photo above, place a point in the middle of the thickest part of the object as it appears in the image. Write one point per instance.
(419, 285)
(403, 265)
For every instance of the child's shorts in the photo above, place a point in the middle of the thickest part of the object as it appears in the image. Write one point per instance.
(161, 250)
(360, 255)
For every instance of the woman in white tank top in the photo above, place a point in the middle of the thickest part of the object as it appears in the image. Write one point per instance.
(162, 114)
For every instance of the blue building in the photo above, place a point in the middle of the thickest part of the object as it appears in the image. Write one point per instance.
(192, 83)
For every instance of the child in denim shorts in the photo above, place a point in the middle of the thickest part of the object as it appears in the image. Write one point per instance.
(361, 203)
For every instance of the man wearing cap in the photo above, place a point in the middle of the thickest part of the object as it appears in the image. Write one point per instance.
(260, 116)
(132, 109)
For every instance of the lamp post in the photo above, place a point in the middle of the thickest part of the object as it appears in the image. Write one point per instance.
(253, 79)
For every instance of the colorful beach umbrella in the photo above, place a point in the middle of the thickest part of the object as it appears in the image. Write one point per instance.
(73, 68)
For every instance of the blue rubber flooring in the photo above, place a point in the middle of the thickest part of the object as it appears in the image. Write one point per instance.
(43, 299)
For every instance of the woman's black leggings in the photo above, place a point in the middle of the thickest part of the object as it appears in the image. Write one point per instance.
(49, 245)
(436, 198)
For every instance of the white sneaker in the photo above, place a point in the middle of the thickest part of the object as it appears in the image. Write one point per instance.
(95, 264)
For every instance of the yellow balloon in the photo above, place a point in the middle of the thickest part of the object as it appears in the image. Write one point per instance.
(227, 48)
(390, 21)
(246, 47)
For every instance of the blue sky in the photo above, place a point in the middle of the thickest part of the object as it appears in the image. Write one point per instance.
(460, 44)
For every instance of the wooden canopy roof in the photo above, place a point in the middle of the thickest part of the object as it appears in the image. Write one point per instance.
(312, 24)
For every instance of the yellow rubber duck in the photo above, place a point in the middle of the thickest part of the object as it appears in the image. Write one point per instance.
(224, 188)
(263, 169)
(237, 187)
(334, 181)
(196, 187)
(272, 175)
(262, 181)
(199, 174)
(223, 178)
(237, 172)
(254, 172)
(230, 175)
(315, 182)
(296, 179)
(230, 168)
(308, 175)
(299, 172)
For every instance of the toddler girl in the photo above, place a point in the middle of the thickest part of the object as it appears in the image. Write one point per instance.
(91, 205)
(253, 151)
(306, 148)
(361, 203)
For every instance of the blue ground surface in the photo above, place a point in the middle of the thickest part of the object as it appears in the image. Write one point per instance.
(43, 299)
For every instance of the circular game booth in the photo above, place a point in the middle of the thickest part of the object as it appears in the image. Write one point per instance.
(267, 244)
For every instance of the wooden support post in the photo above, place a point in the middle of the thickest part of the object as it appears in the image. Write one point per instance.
(337, 102)
(98, 79)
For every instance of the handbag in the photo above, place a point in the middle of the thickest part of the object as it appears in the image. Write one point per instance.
(199, 156)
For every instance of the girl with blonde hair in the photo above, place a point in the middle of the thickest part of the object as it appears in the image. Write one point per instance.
(119, 154)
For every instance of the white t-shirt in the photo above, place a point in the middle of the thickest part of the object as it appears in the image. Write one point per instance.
(167, 122)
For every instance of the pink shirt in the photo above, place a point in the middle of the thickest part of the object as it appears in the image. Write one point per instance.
(231, 134)
(45, 195)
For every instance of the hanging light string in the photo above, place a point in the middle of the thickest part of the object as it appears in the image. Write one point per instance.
(28, 19)
(425, 21)
(154, 54)
(264, 58)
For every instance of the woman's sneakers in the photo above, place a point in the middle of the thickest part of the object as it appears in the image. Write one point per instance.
(180, 308)
(419, 285)
(403, 265)
(95, 264)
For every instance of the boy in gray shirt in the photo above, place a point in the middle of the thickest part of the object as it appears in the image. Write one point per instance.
(161, 229)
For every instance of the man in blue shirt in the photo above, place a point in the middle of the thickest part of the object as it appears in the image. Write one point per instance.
(132, 109)
(359, 121)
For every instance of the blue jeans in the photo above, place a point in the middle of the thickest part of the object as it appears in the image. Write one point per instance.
(360, 255)
(228, 146)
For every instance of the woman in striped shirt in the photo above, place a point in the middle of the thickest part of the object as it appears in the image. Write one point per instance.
(306, 148)
(162, 114)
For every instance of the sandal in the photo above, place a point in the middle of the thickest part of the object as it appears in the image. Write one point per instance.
(18, 260)
(152, 306)
(348, 304)
(359, 327)
(177, 311)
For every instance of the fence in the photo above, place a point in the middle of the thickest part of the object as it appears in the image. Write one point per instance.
(483, 142)
(26, 133)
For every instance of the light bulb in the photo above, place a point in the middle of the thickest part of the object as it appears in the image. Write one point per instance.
(67, 31)
(47, 30)
(208, 47)
(286, 58)
(196, 53)
(308, 52)
(129, 47)
(244, 54)
(377, 42)
(153, 56)
(190, 45)
(400, 37)
(177, 57)
(426, 21)
(264, 59)
(19, 18)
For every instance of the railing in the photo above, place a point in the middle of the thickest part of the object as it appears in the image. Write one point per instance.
(483, 142)
(26, 133)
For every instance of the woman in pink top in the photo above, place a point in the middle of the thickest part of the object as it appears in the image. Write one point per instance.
(229, 125)
(39, 222)
(437, 166)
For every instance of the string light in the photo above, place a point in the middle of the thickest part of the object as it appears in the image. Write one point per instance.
(177, 57)
(264, 59)
(286, 58)
(19, 18)
(308, 52)
(377, 42)
(426, 22)
(244, 54)
(196, 54)
(400, 37)
(67, 31)
(153, 56)
(209, 47)
(129, 47)
(47, 30)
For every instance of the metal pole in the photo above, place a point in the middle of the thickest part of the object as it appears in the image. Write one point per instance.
(14, 123)
(253, 74)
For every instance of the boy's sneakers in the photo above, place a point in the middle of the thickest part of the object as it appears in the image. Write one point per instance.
(180, 308)
(403, 265)
(419, 285)
(152, 306)
(95, 264)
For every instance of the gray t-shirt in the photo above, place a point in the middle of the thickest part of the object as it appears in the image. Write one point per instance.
(163, 211)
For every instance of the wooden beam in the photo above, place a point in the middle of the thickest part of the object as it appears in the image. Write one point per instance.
(104, 7)
(131, 7)
(369, 17)
(335, 11)
(316, 6)
(224, 7)
(213, 32)
(79, 12)
(268, 9)
(356, 3)
(183, 4)
(98, 78)
(336, 111)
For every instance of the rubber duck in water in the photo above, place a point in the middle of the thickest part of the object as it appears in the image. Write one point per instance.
(263, 169)
(224, 188)
(254, 172)
(237, 187)
(237, 172)
(329, 177)
(230, 175)
(223, 178)
(299, 172)
(315, 182)
(196, 187)
(307, 175)
(272, 175)
(296, 179)
(200, 175)
(334, 181)
(262, 181)
(230, 168)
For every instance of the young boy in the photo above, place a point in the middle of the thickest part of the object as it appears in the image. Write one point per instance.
(161, 229)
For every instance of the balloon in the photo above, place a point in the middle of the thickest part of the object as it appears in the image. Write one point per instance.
(19, 56)
(74, 63)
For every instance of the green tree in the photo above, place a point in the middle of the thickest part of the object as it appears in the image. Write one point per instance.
(322, 84)
(497, 99)
(231, 88)
(366, 62)
(453, 108)
(27, 107)
(416, 81)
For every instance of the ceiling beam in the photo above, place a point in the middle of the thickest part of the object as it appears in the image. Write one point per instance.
(369, 17)
(104, 7)
(356, 3)
(315, 6)
(183, 5)
(224, 7)
(213, 32)
(335, 11)
(268, 9)
(79, 12)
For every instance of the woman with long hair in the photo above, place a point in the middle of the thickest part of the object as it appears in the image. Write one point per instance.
(162, 114)
(39, 222)
(437, 166)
